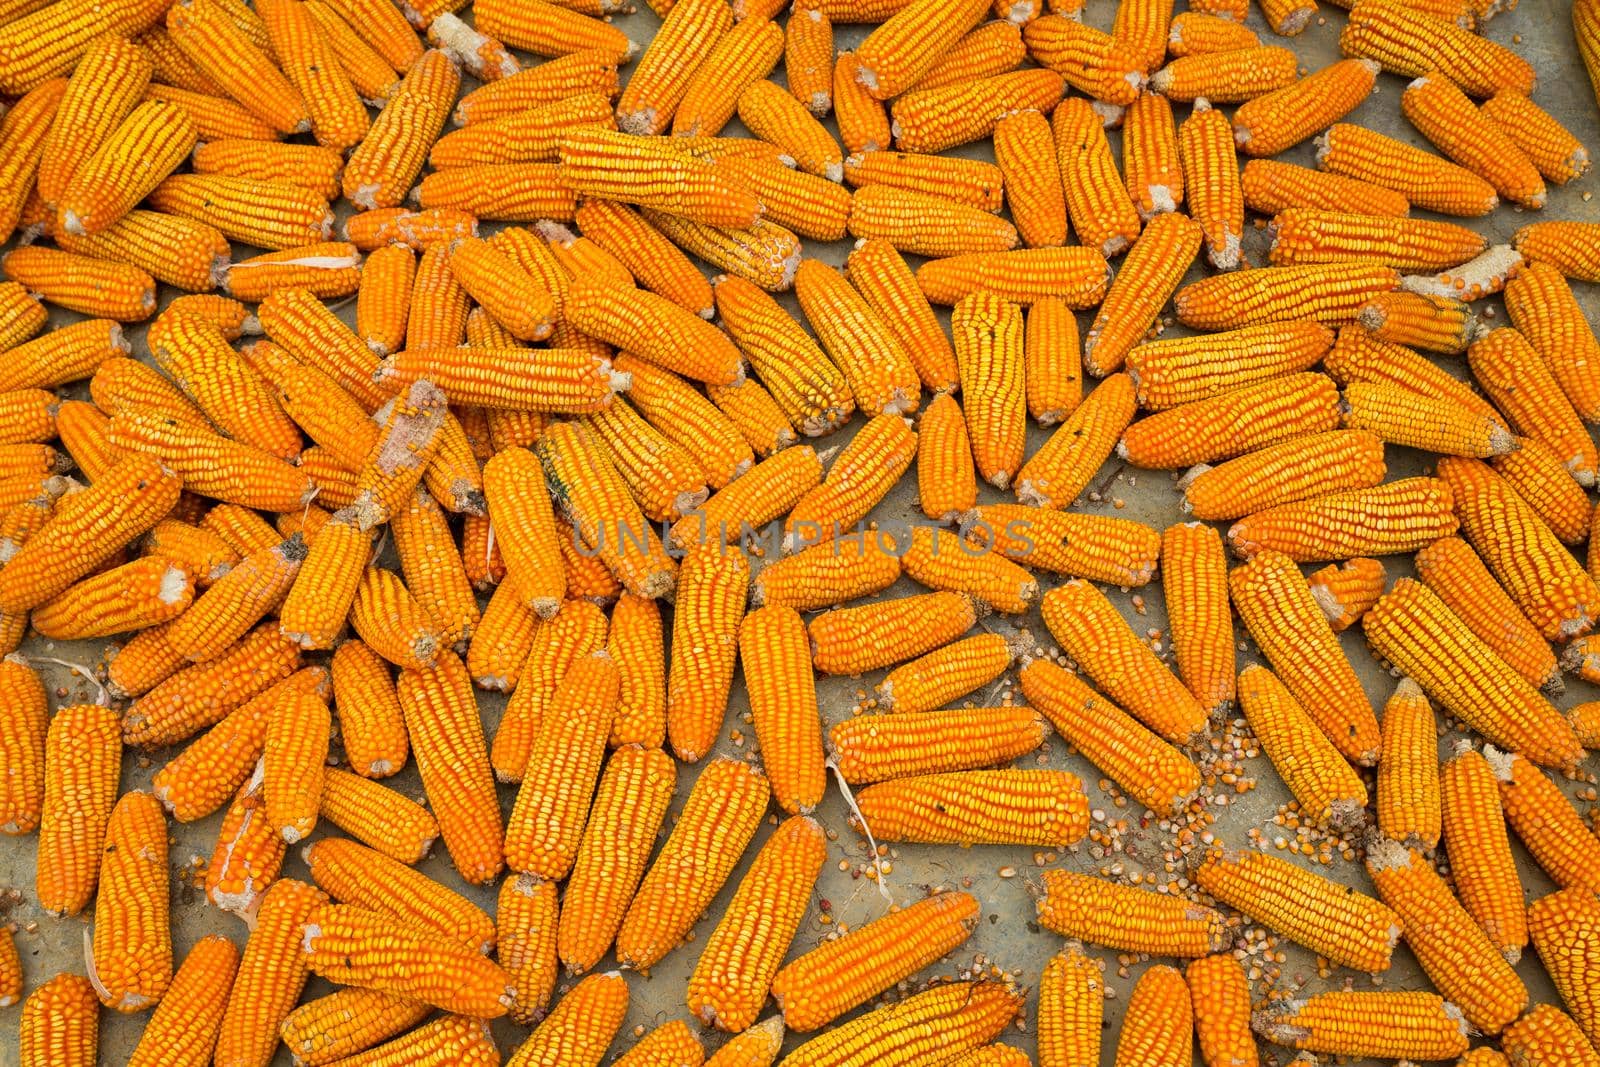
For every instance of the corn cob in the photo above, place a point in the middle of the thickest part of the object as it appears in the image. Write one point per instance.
(1076, 275)
(1071, 1009)
(1573, 248)
(1408, 805)
(205, 34)
(293, 756)
(1330, 293)
(378, 817)
(1346, 592)
(22, 133)
(1150, 163)
(744, 55)
(905, 46)
(752, 410)
(1084, 907)
(1226, 77)
(581, 1027)
(346, 1023)
(946, 482)
(936, 119)
(717, 823)
(1403, 1024)
(64, 355)
(576, 632)
(655, 261)
(881, 747)
(990, 49)
(944, 560)
(131, 954)
(807, 58)
(1214, 195)
(926, 225)
(1220, 1000)
(1024, 151)
(1271, 123)
(1562, 924)
(1051, 377)
(1544, 820)
(654, 329)
(82, 751)
(271, 975)
(268, 215)
(782, 691)
(831, 572)
(1445, 116)
(1547, 1035)
(1475, 279)
(947, 672)
(810, 391)
(60, 1024)
(354, 874)
(105, 86)
(1399, 516)
(1491, 697)
(23, 744)
(848, 640)
(311, 333)
(1475, 830)
(1431, 323)
(1202, 630)
(1182, 370)
(670, 1043)
(1097, 200)
(122, 384)
(21, 316)
(1426, 180)
(1159, 1024)
(1294, 635)
(688, 39)
(386, 162)
(1539, 574)
(192, 699)
(1356, 357)
(369, 230)
(1347, 927)
(1455, 573)
(1223, 426)
(1555, 152)
(964, 181)
(1327, 788)
(328, 270)
(310, 62)
(1306, 235)
(1413, 43)
(1546, 313)
(1540, 478)
(860, 477)
(233, 395)
(1100, 65)
(1063, 467)
(1196, 32)
(882, 278)
(612, 166)
(1148, 278)
(183, 1030)
(711, 591)
(215, 116)
(944, 1021)
(1271, 186)
(863, 122)
(134, 596)
(117, 291)
(989, 351)
(350, 945)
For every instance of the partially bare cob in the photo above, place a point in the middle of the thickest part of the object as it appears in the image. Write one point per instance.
(1293, 633)
(1345, 592)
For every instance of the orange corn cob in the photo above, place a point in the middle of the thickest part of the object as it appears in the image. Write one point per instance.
(848, 640)
(1408, 805)
(1293, 633)
(654, 329)
(64, 355)
(808, 58)
(368, 230)
(1345, 592)
(1399, 516)
(1307, 235)
(613, 166)
(655, 261)
(581, 1027)
(669, 1043)
(378, 817)
(204, 693)
(117, 291)
(1544, 820)
(1539, 477)
(947, 1019)
(237, 601)
(988, 343)
(717, 823)
(132, 948)
(1414, 1024)
(21, 316)
(664, 478)
(310, 62)
(357, 875)
(1066, 463)
(756, 1047)
(1426, 180)
(1484, 871)
(214, 116)
(347, 1022)
(1413, 43)
(1204, 431)
(1147, 279)
(135, 596)
(881, 747)
(862, 120)
(1220, 998)
(1414, 630)
(858, 480)
(729, 985)
(1330, 293)
(883, 279)
(1458, 576)
(964, 181)
(527, 915)
(941, 559)
(266, 214)
(946, 673)
(131, 161)
(1431, 323)
(1150, 163)
(529, 136)
(293, 756)
(60, 1024)
(243, 69)
(576, 632)
(1561, 925)
(744, 55)
(23, 743)
(1097, 64)
(990, 49)
(897, 53)
(310, 332)
(328, 270)
(1071, 1008)
(386, 162)
(1226, 77)
(1159, 1024)
(946, 482)
(437, 316)
(782, 692)
(936, 119)
(1547, 1035)
(1556, 153)
(22, 133)
(1327, 788)
(1212, 184)
(233, 395)
(1194, 581)
(764, 253)
(433, 570)
(106, 84)
(183, 1030)
(1281, 119)
(1176, 371)
(1097, 199)
(1087, 908)
(1348, 927)
(1271, 186)
(82, 751)
(1076, 275)
(635, 643)
(804, 384)
(1051, 377)
(926, 225)
(711, 592)
(1357, 357)
(688, 37)
(1546, 313)
(1444, 115)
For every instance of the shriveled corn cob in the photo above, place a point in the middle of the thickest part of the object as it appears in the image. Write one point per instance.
(1347, 927)
(1087, 908)
(1403, 1024)
(1475, 279)
(1043, 808)
(1556, 153)
(1232, 423)
(1414, 43)
(1426, 180)
(1271, 186)
(1327, 788)
(1293, 633)
(1063, 467)
(718, 821)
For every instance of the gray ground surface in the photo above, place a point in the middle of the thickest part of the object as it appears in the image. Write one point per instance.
(1007, 938)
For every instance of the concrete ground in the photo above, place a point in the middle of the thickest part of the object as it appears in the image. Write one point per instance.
(1007, 939)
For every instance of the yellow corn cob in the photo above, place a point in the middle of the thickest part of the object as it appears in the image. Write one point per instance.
(1431, 323)
(1483, 1056)
(1436, 424)
(689, 36)
(717, 823)
(804, 384)
(1483, 868)
(60, 1024)
(656, 262)
(243, 69)
(1455, 573)
(1357, 357)
(21, 316)
(807, 58)
(989, 350)
(946, 482)
(23, 744)
(1075, 275)
(1327, 788)
(1071, 1009)
(926, 225)
(1194, 583)
(1347, 927)
(1097, 199)
(936, 119)
(882, 278)
(386, 162)
(137, 595)
(529, 136)
(782, 692)
(863, 122)
(1219, 996)
(751, 408)
(581, 1027)
(1223, 426)
(369, 230)
(1100, 65)
(378, 817)
(1413, 43)
(200, 695)
(1540, 478)
(1330, 293)
(964, 181)
(612, 166)
(347, 1022)
(1294, 635)
(780, 120)
(764, 253)
(1399, 516)
(990, 49)
(744, 55)
(1544, 820)
(1271, 123)
(1184, 370)
(1087, 908)
(1561, 925)
(1307, 235)
(670, 1043)
(1346, 592)
(770, 490)
(293, 757)
(384, 298)
(131, 161)
(357, 875)
(850, 640)
(946, 1020)
(81, 753)
(1214, 195)
(1426, 180)
(386, 30)
(369, 712)
(860, 477)
(1150, 164)
(311, 333)
(897, 53)
(328, 269)
(1555, 152)
(729, 985)
(526, 529)
(265, 214)
(942, 559)
(453, 759)
(1445, 116)
(310, 62)
(1408, 804)
(1196, 32)
(214, 116)
(22, 133)
(1570, 247)
(1063, 467)
(236, 398)
(355, 946)
(132, 948)
(105, 86)
(1226, 77)
(1153, 270)
(1546, 313)
(654, 329)
(579, 630)
(947, 672)
(1403, 1024)
(576, 74)
(1159, 1024)
(171, 65)
(1547, 1035)
(881, 747)
(711, 592)
(117, 291)
(183, 1030)
(1271, 186)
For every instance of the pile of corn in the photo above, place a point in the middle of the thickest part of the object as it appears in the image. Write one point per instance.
(559, 412)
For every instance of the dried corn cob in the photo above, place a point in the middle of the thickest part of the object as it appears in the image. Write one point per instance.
(1063, 467)
(131, 954)
(944, 560)
(22, 132)
(60, 1024)
(1024, 152)
(947, 484)
(782, 691)
(1544, 820)
(877, 748)
(213, 43)
(1485, 873)
(1437, 424)
(1220, 999)
(1540, 478)
(1183, 370)
(386, 162)
(964, 181)
(1102, 213)
(1547, 1035)
(1331, 293)
(135, 596)
(689, 35)
(908, 43)
(1152, 272)
(1204, 431)
(1084, 907)
(581, 1027)
(1159, 1024)
(1021, 807)
(1475, 279)
(1150, 164)
(1308, 235)
(839, 569)
(1271, 123)
(808, 58)
(1556, 153)
(1074, 274)
(1413, 43)
(1447, 118)
(106, 84)
(82, 752)
(1271, 186)
(1431, 323)
(1071, 1008)
(1455, 573)
(293, 756)
(1325, 785)
(1098, 64)
(711, 592)
(1426, 180)
(265, 214)
(378, 817)
(936, 119)
(1399, 516)
(1402, 1024)
(1546, 313)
